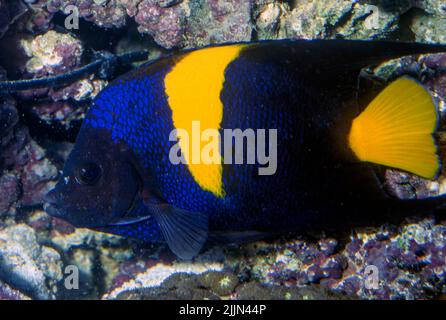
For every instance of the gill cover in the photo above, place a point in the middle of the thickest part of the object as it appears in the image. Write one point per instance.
(396, 129)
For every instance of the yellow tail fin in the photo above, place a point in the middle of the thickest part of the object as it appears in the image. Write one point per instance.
(396, 130)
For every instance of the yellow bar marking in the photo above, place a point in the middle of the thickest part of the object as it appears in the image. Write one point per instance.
(193, 89)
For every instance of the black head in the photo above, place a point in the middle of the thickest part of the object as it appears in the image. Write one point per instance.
(99, 185)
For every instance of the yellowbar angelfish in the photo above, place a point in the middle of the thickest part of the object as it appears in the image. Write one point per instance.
(245, 140)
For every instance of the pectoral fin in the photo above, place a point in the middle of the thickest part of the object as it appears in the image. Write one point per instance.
(184, 231)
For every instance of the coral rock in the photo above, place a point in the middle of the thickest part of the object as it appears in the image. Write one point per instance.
(52, 53)
(28, 266)
(164, 24)
(219, 22)
(8, 293)
(154, 274)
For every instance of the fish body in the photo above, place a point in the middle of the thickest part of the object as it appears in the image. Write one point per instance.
(132, 171)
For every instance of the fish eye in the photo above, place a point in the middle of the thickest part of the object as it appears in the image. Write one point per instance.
(89, 173)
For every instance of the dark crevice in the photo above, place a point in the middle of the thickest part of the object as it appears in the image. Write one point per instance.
(291, 3)
(254, 33)
(92, 36)
(389, 6)
(41, 130)
(404, 32)
(394, 6)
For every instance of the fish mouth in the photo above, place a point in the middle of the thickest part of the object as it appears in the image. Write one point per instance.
(52, 208)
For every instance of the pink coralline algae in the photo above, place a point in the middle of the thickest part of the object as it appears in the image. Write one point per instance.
(9, 184)
(301, 262)
(170, 23)
(26, 160)
(408, 264)
(165, 25)
(436, 67)
(25, 172)
(107, 14)
(220, 21)
(51, 54)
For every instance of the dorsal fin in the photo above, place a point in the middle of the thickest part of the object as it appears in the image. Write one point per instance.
(334, 63)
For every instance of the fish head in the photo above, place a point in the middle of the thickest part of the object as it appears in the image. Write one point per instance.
(99, 185)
